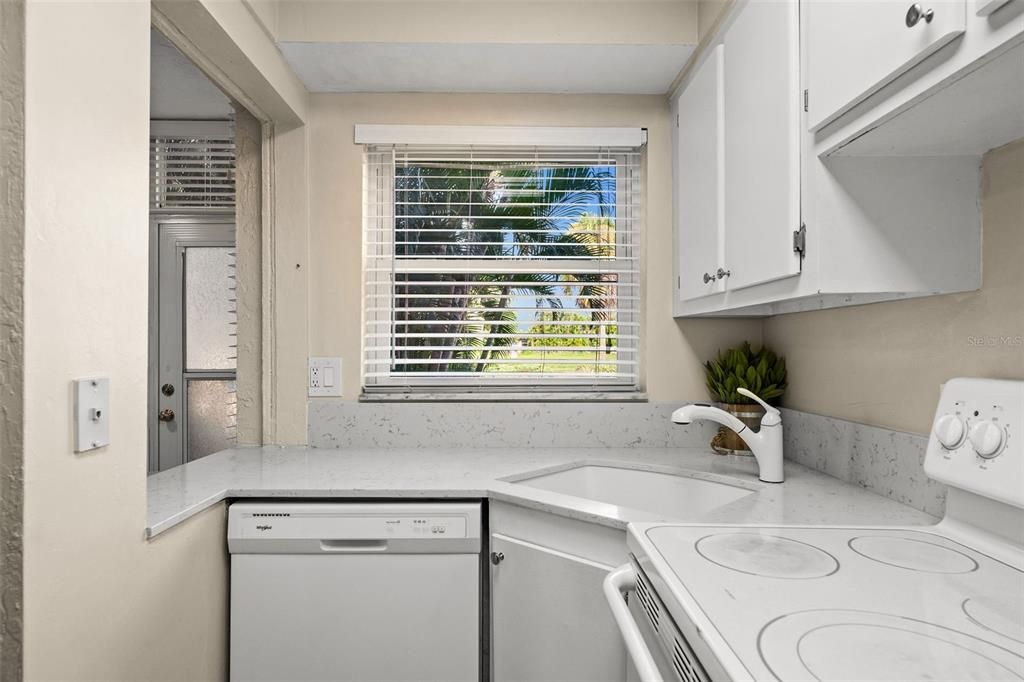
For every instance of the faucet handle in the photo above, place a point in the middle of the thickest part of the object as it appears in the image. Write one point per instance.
(771, 415)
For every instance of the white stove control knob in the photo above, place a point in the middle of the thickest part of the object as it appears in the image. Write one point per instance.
(949, 430)
(986, 438)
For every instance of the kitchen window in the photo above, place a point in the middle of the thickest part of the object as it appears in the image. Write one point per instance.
(496, 267)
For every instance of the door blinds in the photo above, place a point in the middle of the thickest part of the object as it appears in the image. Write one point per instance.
(191, 165)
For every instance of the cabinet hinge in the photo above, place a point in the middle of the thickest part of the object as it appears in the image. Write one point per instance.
(800, 240)
(805, 100)
(677, 120)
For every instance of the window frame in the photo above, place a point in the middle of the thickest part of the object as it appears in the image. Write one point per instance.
(379, 191)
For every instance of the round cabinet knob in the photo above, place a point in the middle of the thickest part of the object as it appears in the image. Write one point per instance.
(949, 430)
(497, 557)
(708, 278)
(916, 13)
(986, 438)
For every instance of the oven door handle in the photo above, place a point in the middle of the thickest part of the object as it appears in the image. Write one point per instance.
(616, 584)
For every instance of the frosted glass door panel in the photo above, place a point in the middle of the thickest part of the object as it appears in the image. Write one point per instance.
(210, 317)
(212, 416)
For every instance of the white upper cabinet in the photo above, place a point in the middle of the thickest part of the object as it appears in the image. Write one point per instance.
(857, 46)
(762, 143)
(737, 166)
(898, 220)
(699, 185)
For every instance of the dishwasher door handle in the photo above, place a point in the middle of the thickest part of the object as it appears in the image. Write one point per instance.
(616, 584)
(353, 546)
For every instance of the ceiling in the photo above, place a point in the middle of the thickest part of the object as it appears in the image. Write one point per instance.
(486, 67)
(179, 90)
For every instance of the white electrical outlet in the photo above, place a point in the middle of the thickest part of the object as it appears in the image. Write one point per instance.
(324, 377)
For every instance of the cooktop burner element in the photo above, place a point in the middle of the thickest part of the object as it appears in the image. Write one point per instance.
(768, 556)
(912, 554)
(840, 644)
(1003, 617)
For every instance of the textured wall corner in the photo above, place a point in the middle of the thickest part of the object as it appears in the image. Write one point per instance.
(249, 292)
(12, 252)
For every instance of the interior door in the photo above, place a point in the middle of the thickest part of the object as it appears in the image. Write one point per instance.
(857, 46)
(699, 185)
(549, 619)
(762, 143)
(193, 341)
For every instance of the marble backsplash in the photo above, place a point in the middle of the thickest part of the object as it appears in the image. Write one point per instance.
(890, 463)
(336, 424)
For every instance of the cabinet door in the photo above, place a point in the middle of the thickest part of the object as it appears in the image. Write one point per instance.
(549, 618)
(699, 151)
(762, 143)
(857, 46)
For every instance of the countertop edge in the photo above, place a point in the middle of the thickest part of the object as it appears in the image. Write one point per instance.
(812, 488)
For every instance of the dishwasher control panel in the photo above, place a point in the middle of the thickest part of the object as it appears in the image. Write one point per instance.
(351, 526)
(336, 526)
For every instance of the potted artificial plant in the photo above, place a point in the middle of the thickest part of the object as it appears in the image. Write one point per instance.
(761, 372)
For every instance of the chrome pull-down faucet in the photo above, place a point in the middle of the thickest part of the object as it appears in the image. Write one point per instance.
(765, 444)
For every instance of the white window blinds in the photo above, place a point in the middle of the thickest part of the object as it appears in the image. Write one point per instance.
(501, 268)
(192, 165)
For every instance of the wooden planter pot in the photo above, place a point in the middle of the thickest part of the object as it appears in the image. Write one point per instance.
(726, 441)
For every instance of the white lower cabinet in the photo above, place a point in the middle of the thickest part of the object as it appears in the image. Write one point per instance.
(549, 620)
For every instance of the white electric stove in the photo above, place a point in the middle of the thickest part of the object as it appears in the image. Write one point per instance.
(944, 602)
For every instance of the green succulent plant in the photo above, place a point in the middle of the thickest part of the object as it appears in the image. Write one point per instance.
(761, 372)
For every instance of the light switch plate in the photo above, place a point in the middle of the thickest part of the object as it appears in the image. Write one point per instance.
(324, 377)
(92, 413)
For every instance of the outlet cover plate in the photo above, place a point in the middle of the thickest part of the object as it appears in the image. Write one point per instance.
(324, 377)
(92, 413)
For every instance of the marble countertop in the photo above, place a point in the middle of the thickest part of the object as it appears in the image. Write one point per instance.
(807, 496)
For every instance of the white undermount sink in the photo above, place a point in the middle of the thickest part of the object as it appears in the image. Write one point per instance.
(666, 495)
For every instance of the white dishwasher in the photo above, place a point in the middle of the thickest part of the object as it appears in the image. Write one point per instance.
(355, 591)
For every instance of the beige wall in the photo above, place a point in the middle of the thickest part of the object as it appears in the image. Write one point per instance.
(286, 303)
(675, 349)
(595, 22)
(708, 12)
(883, 364)
(101, 603)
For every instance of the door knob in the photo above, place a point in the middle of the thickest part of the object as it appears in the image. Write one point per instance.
(497, 557)
(916, 13)
(708, 278)
(166, 415)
